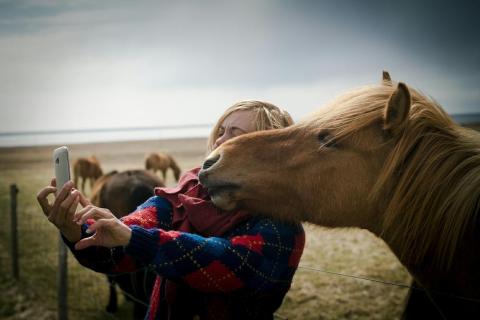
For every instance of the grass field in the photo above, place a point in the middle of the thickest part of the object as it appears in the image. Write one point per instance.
(323, 287)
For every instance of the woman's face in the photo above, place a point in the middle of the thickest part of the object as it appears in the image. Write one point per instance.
(235, 124)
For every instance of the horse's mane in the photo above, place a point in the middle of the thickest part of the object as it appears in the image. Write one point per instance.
(96, 195)
(430, 179)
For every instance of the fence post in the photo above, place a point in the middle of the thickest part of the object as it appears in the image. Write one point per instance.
(14, 231)
(62, 280)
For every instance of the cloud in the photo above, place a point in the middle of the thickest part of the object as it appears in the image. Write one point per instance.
(124, 60)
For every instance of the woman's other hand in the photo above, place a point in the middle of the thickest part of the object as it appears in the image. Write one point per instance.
(61, 212)
(92, 212)
(107, 232)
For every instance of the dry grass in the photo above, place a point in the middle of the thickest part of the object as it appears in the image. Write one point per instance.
(314, 294)
(328, 285)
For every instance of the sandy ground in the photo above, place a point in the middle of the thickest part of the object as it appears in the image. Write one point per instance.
(314, 294)
(325, 287)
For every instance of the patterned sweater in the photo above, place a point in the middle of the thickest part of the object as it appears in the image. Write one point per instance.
(244, 274)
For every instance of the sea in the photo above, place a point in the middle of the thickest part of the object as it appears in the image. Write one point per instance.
(59, 137)
(63, 137)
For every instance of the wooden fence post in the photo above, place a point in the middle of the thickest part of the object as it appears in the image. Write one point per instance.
(62, 280)
(14, 231)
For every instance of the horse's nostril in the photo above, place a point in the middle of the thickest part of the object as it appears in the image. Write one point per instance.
(210, 162)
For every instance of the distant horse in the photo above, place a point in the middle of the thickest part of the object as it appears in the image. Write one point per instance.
(86, 168)
(384, 158)
(162, 161)
(122, 193)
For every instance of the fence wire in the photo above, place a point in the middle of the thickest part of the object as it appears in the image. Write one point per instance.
(88, 291)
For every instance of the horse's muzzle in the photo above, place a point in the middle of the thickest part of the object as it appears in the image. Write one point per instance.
(208, 164)
(210, 161)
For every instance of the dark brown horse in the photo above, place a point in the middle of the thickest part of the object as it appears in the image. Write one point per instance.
(384, 158)
(122, 193)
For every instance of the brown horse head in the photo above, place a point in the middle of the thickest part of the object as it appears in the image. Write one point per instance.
(381, 157)
(175, 168)
(97, 172)
(321, 170)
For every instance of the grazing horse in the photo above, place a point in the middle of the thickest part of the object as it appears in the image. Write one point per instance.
(122, 193)
(162, 161)
(86, 168)
(384, 158)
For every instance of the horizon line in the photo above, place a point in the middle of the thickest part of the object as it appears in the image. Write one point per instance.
(461, 118)
(92, 130)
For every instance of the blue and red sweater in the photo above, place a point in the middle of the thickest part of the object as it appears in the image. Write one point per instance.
(243, 274)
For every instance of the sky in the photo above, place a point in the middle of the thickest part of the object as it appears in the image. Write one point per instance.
(89, 64)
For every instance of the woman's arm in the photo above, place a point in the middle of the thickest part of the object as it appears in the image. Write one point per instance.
(155, 212)
(261, 255)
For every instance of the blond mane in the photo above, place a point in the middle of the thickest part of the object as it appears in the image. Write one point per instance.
(430, 179)
(96, 196)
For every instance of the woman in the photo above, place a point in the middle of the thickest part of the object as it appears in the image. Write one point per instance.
(210, 264)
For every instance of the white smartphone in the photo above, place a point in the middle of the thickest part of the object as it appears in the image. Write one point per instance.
(62, 166)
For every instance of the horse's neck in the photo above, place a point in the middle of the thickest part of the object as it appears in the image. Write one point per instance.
(456, 293)
(462, 278)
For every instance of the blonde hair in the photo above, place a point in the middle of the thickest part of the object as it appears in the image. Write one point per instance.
(267, 116)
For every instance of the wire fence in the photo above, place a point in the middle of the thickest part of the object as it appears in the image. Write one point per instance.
(31, 257)
(30, 254)
(86, 293)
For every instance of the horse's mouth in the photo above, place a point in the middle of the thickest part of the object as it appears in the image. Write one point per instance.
(215, 189)
(221, 193)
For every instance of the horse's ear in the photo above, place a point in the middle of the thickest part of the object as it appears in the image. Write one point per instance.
(386, 79)
(397, 108)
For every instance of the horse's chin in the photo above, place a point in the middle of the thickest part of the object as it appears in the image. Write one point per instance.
(224, 201)
(222, 194)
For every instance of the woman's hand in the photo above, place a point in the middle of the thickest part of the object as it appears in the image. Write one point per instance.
(61, 212)
(108, 232)
(92, 212)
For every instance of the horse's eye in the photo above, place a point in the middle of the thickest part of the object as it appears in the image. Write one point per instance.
(326, 139)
